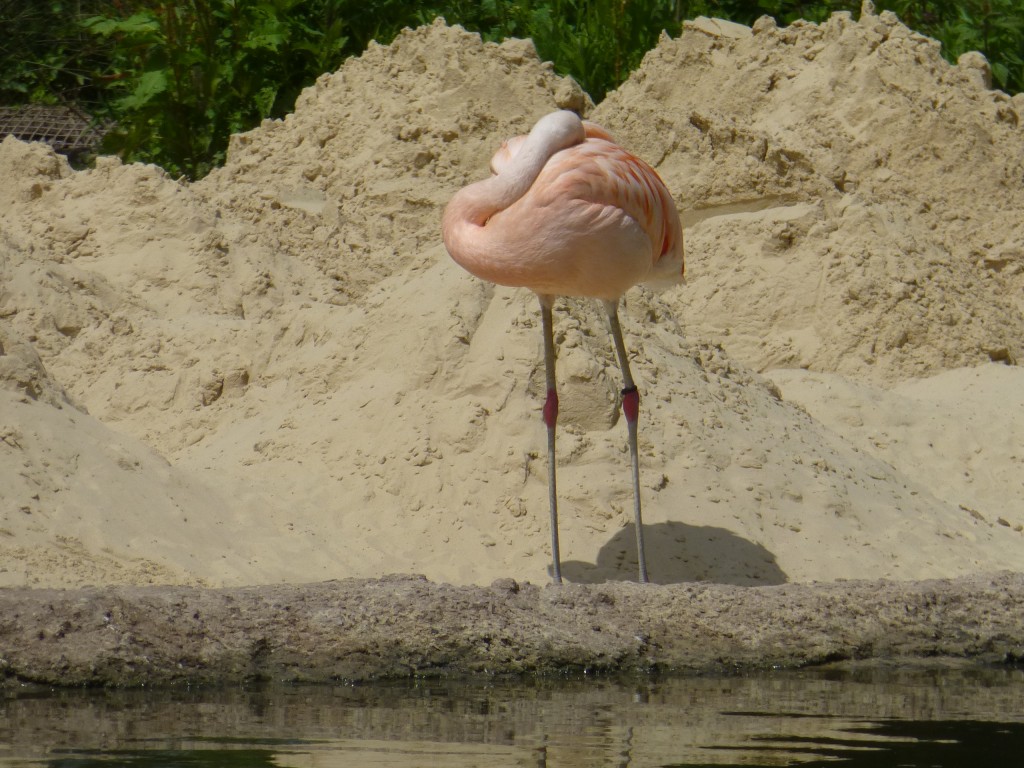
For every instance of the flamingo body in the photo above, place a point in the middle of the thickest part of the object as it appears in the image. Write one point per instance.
(568, 212)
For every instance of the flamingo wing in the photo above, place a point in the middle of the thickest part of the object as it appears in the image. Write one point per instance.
(613, 181)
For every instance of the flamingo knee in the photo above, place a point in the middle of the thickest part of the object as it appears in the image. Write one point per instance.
(631, 404)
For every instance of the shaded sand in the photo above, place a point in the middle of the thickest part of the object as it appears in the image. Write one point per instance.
(276, 374)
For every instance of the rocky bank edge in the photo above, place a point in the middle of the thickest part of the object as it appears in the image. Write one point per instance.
(400, 626)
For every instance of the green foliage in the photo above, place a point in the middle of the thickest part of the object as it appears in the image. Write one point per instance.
(179, 76)
(187, 74)
(598, 42)
(45, 57)
(995, 27)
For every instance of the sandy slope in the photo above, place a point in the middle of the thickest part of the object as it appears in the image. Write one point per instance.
(277, 374)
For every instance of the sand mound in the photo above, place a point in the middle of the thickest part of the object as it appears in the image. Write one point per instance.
(849, 194)
(352, 181)
(336, 398)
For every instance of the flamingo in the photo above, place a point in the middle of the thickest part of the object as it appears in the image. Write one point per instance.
(568, 212)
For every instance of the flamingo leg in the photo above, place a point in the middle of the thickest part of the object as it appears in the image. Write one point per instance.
(550, 418)
(631, 409)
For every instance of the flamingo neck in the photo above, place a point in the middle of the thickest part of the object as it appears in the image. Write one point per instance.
(476, 203)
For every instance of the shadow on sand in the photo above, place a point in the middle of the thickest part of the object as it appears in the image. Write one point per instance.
(677, 553)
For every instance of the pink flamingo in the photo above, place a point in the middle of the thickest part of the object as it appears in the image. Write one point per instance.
(569, 212)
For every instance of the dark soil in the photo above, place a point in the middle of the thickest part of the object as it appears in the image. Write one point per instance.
(401, 626)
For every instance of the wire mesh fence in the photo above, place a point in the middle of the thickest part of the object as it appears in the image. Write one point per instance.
(67, 129)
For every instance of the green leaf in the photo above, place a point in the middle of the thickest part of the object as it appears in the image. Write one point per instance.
(151, 84)
(137, 24)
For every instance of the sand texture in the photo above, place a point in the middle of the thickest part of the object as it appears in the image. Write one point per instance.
(277, 375)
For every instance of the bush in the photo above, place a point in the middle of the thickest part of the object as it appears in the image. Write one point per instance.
(179, 76)
(188, 73)
(46, 57)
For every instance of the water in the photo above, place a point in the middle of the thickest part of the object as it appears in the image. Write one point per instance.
(883, 718)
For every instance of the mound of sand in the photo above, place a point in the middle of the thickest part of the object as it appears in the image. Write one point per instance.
(277, 374)
(849, 194)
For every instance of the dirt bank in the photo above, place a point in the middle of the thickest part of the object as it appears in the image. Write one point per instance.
(400, 626)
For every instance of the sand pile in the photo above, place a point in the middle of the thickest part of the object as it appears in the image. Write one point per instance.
(851, 195)
(277, 374)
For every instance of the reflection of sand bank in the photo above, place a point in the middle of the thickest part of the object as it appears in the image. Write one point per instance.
(756, 720)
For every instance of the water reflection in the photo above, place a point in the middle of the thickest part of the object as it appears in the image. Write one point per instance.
(869, 717)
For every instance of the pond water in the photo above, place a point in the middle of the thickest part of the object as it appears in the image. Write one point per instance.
(934, 717)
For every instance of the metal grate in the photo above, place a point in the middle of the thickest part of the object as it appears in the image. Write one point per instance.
(66, 129)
